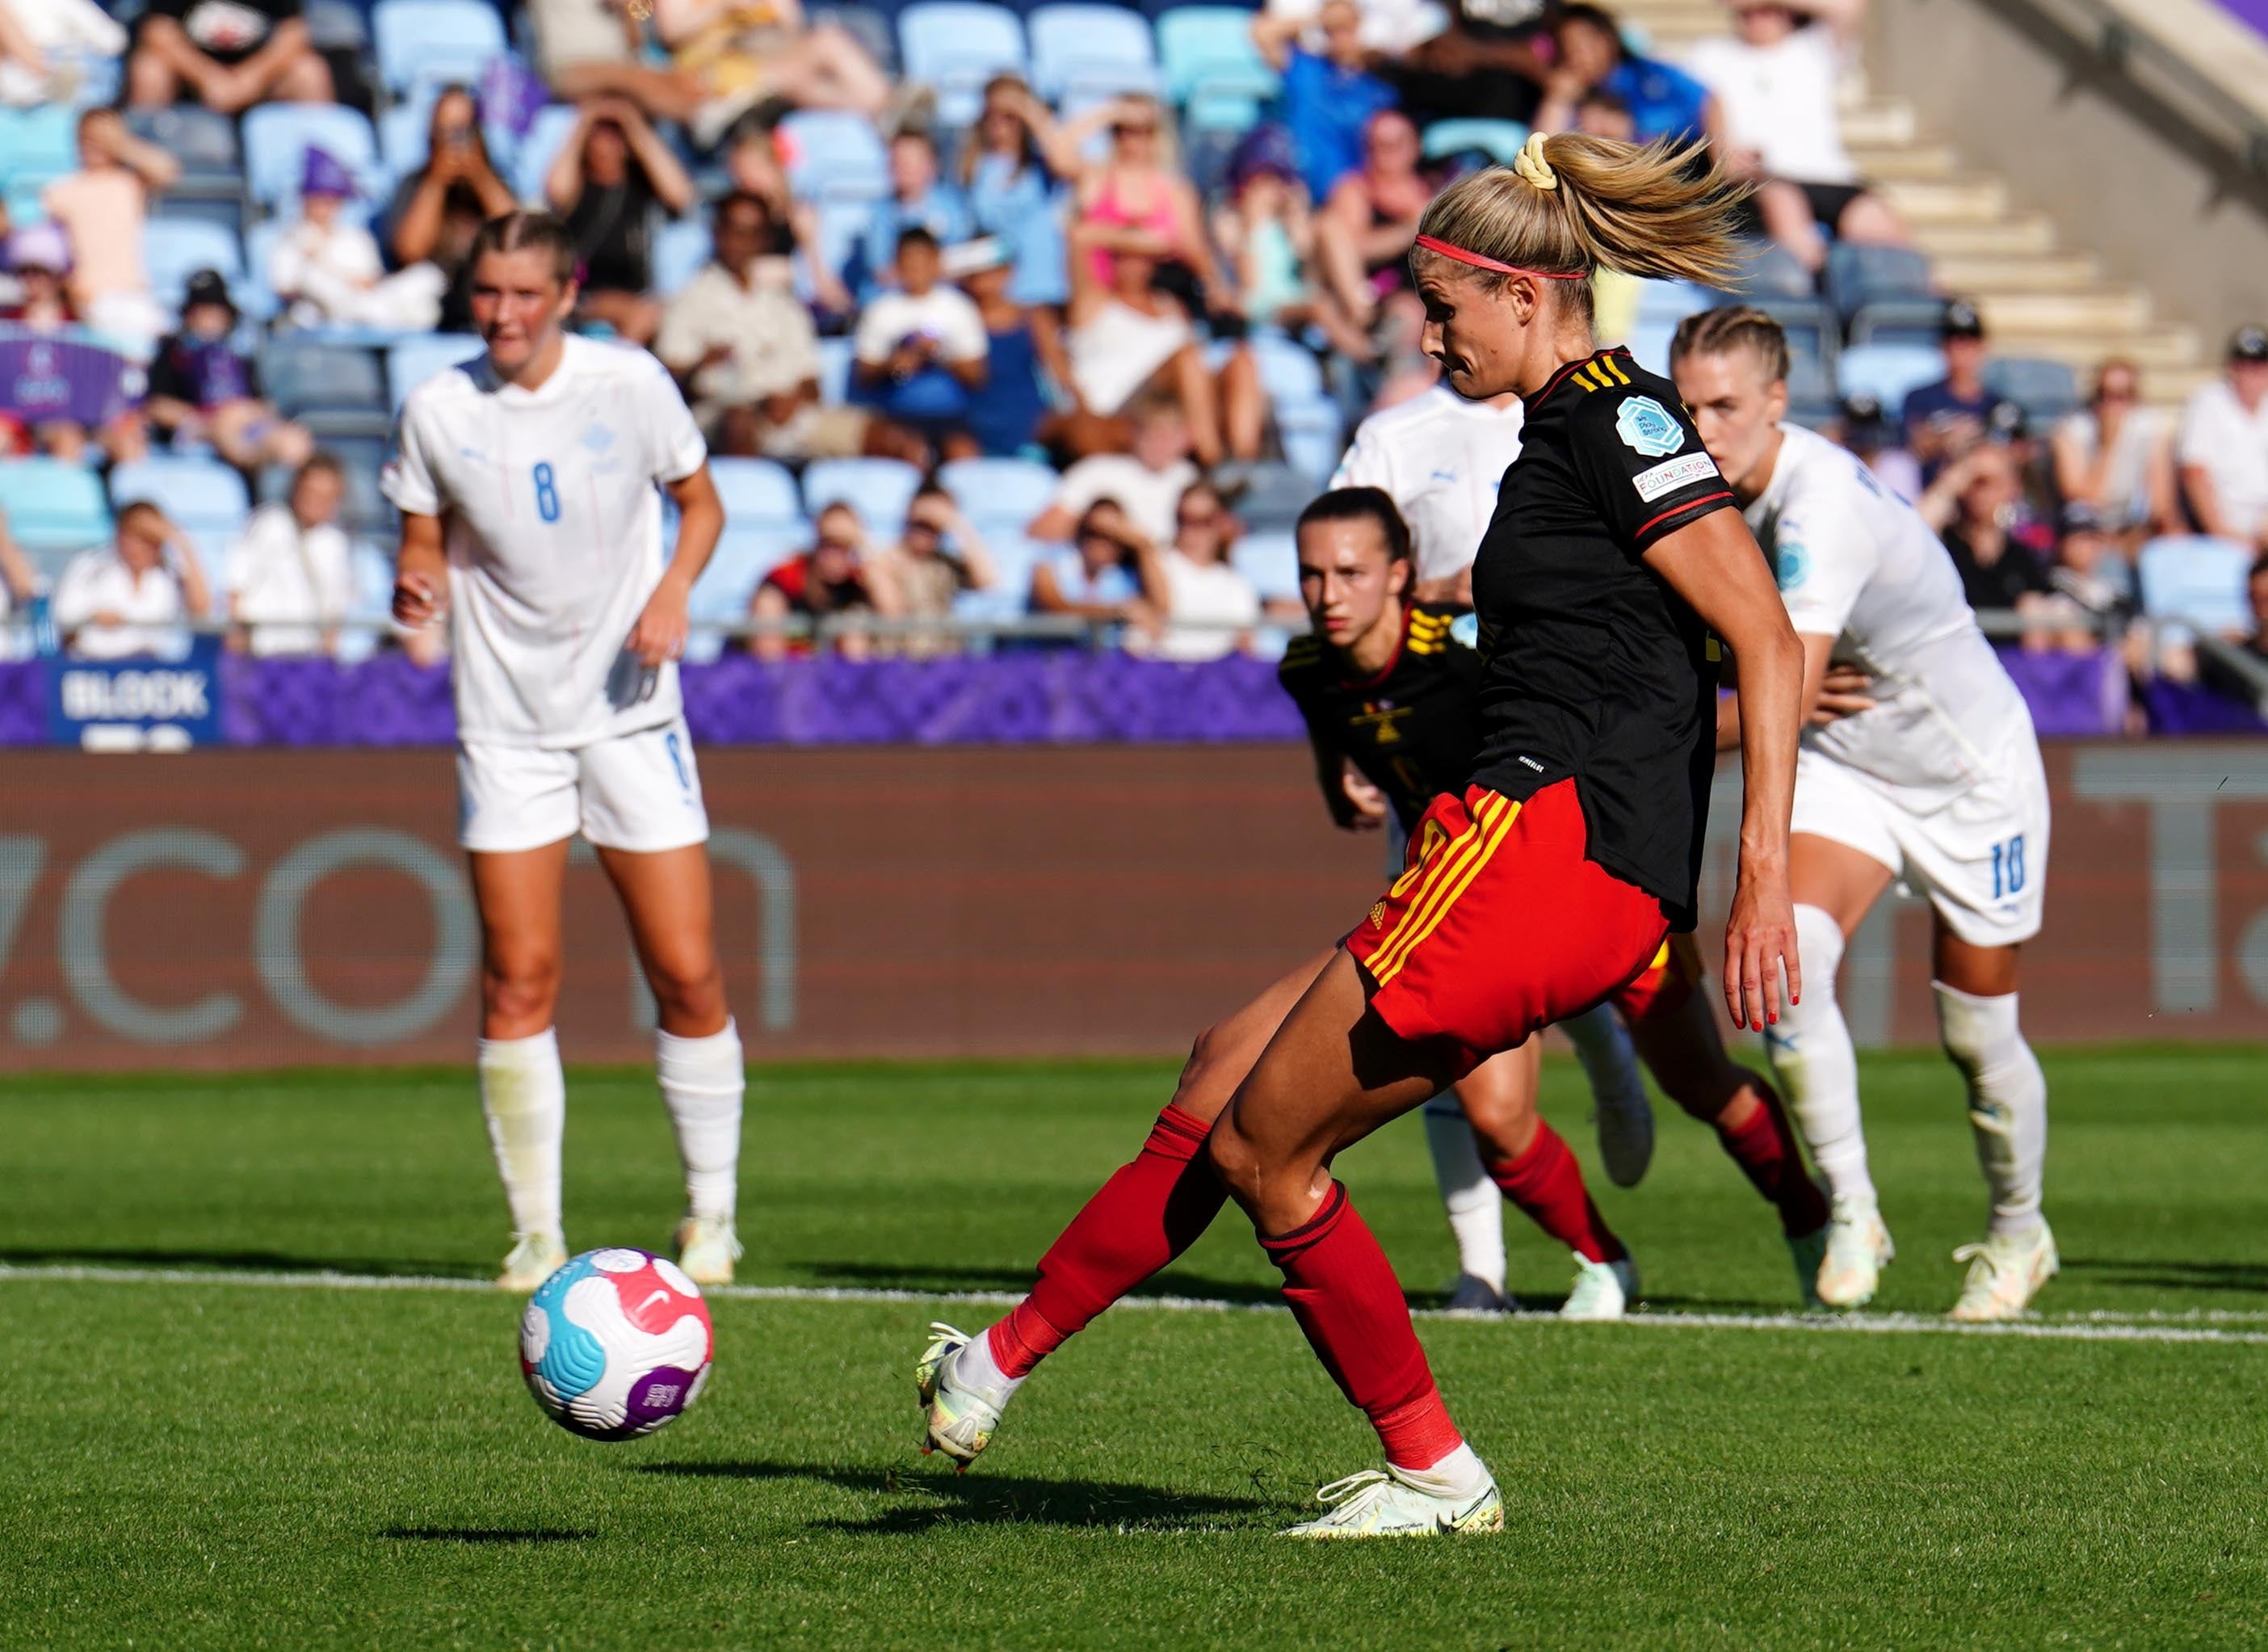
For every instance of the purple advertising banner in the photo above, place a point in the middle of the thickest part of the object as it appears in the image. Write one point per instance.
(1015, 697)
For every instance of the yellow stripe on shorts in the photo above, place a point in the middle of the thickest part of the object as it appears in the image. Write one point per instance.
(1493, 816)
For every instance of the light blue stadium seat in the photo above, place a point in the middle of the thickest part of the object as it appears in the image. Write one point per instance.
(38, 145)
(1888, 371)
(53, 506)
(1858, 275)
(956, 46)
(303, 374)
(204, 496)
(756, 492)
(1006, 491)
(745, 555)
(371, 600)
(175, 249)
(203, 140)
(414, 360)
(2196, 581)
(1212, 68)
(1271, 562)
(1014, 557)
(1498, 140)
(1899, 321)
(1090, 49)
(546, 135)
(879, 489)
(679, 252)
(865, 25)
(277, 136)
(836, 355)
(1289, 371)
(833, 155)
(1314, 438)
(434, 40)
(2046, 389)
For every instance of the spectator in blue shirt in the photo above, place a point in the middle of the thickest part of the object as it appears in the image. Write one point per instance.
(1329, 99)
(1944, 419)
(1663, 100)
(917, 200)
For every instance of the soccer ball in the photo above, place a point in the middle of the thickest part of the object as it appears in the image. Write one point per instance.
(616, 1343)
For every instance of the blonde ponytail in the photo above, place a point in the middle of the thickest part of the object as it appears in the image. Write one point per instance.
(1572, 205)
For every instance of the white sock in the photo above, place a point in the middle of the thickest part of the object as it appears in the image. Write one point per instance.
(1609, 1062)
(702, 1081)
(2008, 1099)
(1461, 1474)
(524, 1095)
(974, 1367)
(1811, 1052)
(1476, 1209)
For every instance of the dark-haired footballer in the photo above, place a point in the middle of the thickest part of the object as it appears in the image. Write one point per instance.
(530, 484)
(1382, 682)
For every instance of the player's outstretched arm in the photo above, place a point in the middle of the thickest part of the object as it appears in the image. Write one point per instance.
(662, 626)
(1715, 565)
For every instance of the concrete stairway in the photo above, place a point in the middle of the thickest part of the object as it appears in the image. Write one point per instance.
(2040, 295)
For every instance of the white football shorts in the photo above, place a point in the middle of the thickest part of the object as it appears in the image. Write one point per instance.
(639, 792)
(1981, 861)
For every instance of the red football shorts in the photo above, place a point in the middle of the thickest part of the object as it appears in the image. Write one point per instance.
(1498, 925)
(1662, 987)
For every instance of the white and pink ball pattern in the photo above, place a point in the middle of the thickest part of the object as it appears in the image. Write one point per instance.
(616, 1343)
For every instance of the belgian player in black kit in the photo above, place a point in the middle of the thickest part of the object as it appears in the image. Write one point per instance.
(1614, 563)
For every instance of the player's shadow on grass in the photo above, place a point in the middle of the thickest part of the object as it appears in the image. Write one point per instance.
(234, 1261)
(2153, 1274)
(922, 1500)
(485, 1534)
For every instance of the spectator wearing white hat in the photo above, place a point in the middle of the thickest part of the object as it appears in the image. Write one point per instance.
(2223, 446)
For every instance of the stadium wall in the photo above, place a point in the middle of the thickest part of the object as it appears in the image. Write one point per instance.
(2128, 157)
(241, 909)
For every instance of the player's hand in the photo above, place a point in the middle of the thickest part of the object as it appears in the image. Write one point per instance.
(418, 600)
(659, 635)
(1843, 692)
(1365, 803)
(1759, 940)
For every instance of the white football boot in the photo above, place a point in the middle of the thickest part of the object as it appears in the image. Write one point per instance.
(1374, 1505)
(1859, 1247)
(707, 1247)
(1808, 1249)
(1624, 1118)
(957, 1420)
(1603, 1290)
(1470, 1293)
(2004, 1274)
(535, 1258)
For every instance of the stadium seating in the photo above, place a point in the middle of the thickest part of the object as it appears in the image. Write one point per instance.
(956, 46)
(1498, 140)
(832, 155)
(202, 495)
(1858, 275)
(305, 375)
(412, 361)
(539, 147)
(277, 136)
(1212, 68)
(434, 40)
(1888, 373)
(2046, 389)
(2192, 581)
(1271, 562)
(1083, 48)
(756, 492)
(679, 252)
(204, 144)
(338, 25)
(879, 489)
(1899, 321)
(998, 492)
(866, 26)
(52, 506)
(39, 145)
(1267, 497)
(175, 249)
(836, 355)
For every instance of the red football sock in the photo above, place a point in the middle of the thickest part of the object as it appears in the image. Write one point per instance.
(1344, 1294)
(1764, 1148)
(1147, 1213)
(1546, 1182)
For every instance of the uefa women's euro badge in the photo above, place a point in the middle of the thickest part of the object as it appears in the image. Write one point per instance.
(1645, 424)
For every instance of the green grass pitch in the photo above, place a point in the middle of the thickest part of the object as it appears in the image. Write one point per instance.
(225, 1460)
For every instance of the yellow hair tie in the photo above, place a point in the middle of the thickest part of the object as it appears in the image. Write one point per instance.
(1530, 164)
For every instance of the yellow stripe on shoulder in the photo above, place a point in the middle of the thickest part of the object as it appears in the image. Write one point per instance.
(1614, 367)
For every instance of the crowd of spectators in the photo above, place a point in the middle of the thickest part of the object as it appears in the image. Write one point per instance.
(1169, 273)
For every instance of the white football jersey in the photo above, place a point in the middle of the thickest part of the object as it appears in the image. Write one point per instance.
(1439, 458)
(1857, 563)
(554, 533)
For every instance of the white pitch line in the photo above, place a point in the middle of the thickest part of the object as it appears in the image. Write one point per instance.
(2193, 1326)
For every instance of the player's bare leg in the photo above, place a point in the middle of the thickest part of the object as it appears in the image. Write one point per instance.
(1834, 886)
(523, 1088)
(1534, 1170)
(1677, 1035)
(668, 899)
(1334, 1073)
(1976, 991)
(1145, 1215)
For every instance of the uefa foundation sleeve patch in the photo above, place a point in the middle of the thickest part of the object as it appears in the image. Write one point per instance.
(1668, 478)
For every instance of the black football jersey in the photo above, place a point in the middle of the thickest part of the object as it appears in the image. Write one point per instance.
(1412, 729)
(1593, 667)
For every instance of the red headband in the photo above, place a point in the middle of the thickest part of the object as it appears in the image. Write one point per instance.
(1434, 244)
